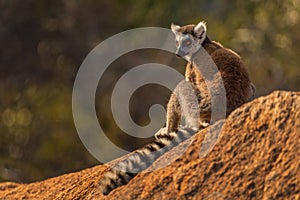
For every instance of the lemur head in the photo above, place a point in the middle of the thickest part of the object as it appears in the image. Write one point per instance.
(189, 39)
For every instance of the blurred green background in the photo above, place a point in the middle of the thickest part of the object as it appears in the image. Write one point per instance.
(44, 42)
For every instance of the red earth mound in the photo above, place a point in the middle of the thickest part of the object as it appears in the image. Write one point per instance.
(255, 157)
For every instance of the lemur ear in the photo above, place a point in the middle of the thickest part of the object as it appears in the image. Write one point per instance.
(200, 30)
(175, 28)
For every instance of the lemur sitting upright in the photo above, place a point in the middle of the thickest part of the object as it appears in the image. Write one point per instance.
(189, 40)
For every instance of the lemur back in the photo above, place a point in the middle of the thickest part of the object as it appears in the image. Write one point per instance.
(239, 89)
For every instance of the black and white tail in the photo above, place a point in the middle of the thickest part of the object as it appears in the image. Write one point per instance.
(143, 158)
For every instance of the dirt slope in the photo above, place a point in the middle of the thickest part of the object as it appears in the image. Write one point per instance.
(256, 157)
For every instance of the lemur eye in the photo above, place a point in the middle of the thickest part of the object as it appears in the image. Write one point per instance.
(188, 43)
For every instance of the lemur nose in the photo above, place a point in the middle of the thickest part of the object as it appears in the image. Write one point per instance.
(178, 53)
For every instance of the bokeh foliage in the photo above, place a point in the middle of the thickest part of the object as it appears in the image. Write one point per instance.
(44, 42)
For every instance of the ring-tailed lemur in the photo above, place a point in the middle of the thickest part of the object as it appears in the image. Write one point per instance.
(239, 89)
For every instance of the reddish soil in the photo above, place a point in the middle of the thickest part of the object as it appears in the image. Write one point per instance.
(256, 157)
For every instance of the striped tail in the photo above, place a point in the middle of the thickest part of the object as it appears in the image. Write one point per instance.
(143, 158)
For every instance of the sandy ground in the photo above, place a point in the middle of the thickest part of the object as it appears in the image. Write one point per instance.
(256, 157)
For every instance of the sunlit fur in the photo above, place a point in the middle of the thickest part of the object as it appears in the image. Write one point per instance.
(238, 88)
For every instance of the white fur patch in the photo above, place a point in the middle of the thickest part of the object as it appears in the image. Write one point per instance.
(165, 141)
(174, 28)
(200, 29)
